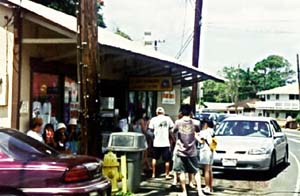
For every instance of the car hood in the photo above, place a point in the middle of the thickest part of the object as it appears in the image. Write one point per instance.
(236, 143)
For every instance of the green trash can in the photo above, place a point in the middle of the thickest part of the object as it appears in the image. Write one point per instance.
(132, 145)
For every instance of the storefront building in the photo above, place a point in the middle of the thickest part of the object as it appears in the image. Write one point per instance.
(132, 76)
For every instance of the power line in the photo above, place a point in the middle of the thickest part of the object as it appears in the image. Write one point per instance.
(189, 39)
(192, 3)
(184, 23)
(185, 45)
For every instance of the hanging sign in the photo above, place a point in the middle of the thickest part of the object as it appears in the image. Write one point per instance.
(168, 97)
(150, 83)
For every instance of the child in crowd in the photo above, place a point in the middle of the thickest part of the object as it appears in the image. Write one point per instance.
(48, 136)
(206, 154)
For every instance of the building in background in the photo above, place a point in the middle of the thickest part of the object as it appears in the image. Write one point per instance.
(246, 107)
(279, 102)
(214, 107)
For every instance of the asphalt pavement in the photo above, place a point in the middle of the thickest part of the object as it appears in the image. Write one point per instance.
(285, 180)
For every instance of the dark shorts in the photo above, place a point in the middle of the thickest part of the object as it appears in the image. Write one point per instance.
(163, 152)
(186, 164)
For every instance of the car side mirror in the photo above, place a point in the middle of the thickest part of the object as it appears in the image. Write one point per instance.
(278, 135)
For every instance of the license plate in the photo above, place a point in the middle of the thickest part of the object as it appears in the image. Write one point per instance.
(94, 194)
(104, 193)
(229, 162)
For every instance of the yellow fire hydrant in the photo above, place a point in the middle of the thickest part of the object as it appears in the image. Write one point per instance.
(110, 169)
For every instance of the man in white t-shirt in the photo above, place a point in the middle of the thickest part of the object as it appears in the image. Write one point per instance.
(161, 126)
(35, 129)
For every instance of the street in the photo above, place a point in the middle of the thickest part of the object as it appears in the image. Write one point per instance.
(285, 180)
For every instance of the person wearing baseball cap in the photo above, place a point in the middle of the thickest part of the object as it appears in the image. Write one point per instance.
(160, 110)
(161, 125)
(60, 137)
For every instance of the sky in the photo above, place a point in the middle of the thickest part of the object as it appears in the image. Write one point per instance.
(233, 31)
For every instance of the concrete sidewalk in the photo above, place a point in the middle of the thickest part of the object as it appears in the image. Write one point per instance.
(160, 186)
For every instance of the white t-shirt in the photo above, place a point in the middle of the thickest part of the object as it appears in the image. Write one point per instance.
(161, 125)
(207, 135)
(35, 135)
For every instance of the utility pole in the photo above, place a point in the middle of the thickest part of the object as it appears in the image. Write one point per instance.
(237, 90)
(298, 73)
(196, 49)
(87, 60)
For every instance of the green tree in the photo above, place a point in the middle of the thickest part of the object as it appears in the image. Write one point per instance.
(247, 88)
(122, 34)
(241, 84)
(272, 72)
(69, 7)
(185, 93)
(215, 92)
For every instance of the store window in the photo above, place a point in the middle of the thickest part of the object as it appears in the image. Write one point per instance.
(139, 100)
(46, 97)
(54, 98)
(71, 102)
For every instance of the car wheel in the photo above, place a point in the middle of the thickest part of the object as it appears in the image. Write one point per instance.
(273, 162)
(286, 156)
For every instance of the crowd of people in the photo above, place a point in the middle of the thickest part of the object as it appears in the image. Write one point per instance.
(177, 143)
(64, 139)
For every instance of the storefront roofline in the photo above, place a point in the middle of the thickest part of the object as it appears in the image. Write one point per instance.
(182, 73)
(150, 66)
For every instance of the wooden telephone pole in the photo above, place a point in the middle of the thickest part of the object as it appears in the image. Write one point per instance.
(87, 60)
(298, 75)
(196, 49)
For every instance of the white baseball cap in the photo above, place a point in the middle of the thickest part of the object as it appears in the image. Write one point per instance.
(61, 126)
(160, 110)
(73, 121)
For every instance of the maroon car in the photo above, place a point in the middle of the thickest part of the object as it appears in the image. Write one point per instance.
(28, 167)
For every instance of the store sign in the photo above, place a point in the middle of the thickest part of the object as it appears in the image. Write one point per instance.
(150, 83)
(168, 97)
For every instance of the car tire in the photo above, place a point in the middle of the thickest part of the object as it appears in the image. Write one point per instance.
(272, 162)
(286, 156)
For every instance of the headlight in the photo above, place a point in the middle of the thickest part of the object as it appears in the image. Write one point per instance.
(259, 151)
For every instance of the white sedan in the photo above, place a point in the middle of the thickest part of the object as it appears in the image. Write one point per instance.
(250, 143)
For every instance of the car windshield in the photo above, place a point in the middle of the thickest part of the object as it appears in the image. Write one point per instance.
(21, 147)
(244, 128)
(221, 117)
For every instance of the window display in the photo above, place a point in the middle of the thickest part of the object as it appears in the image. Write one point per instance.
(142, 100)
(71, 103)
(45, 95)
(54, 98)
